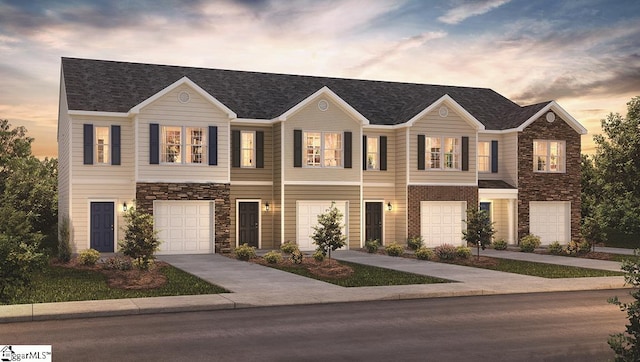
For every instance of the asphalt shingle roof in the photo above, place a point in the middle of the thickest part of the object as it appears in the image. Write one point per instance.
(109, 86)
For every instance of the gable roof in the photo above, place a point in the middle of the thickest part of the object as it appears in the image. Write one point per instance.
(110, 86)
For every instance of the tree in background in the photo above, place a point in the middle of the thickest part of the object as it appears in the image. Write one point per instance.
(328, 234)
(479, 230)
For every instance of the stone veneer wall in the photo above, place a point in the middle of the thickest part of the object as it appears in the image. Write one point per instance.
(416, 194)
(146, 193)
(537, 186)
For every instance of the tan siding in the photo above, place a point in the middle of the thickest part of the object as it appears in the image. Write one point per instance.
(400, 201)
(198, 112)
(488, 137)
(310, 118)
(500, 218)
(509, 154)
(378, 176)
(277, 182)
(64, 168)
(433, 125)
(256, 174)
(328, 193)
(263, 193)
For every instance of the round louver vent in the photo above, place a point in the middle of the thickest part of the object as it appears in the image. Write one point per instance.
(443, 111)
(323, 105)
(184, 97)
(550, 117)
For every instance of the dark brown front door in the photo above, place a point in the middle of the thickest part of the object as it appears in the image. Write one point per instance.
(248, 223)
(373, 221)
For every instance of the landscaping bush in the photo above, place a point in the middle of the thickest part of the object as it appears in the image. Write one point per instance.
(64, 240)
(273, 257)
(296, 257)
(529, 243)
(500, 244)
(288, 247)
(89, 257)
(424, 253)
(414, 243)
(118, 263)
(445, 252)
(584, 247)
(394, 249)
(140, 239)
(245, 252)
(571, 248)
(371, 245)
(463, 252)
(318, 256)
(554, 248)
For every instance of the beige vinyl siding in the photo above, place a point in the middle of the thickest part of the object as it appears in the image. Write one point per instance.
(488, 137)
(104, 172)
(432, 125)
(400, 201)
(252, 193)
(311, 119)
(64, 167)
(294, 193)
(198, 112)
(500, 218)
(256, 174)
(379, 176)
(384, 195)
(83, 194)
(277, 182)
(509, 153)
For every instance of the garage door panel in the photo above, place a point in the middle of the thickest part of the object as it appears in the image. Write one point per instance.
(550, 220)
(183, 226)
(441, 222)
(307, 218)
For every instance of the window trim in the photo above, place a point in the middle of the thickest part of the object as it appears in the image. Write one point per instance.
(488, 156)
(321, 154)
(377, 153)
(458, 156)
(253, 149)
(204, 145)
(106, 150)
(563, 156)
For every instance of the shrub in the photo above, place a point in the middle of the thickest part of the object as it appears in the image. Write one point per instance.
(140, 239)
(273, 257)
(296, 257)
(414, 243)
(529, 243)
(445, 252)
(118, 263)
(424, 253)
(89, 257)
(318, 256)
(245, 252)
(571, 248)
(555, 248)
(584, 247)
(19, 262)
(394, 249)
(463, 252)
(500, 244)
(288, 247)
(372, 245)
(64, 240)
(626, 345)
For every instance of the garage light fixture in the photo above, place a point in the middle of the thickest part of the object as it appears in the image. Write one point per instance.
(389, 207)
(266, 207)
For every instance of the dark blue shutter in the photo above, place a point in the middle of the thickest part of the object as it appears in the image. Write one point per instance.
(348, 154)
(235, 148)
(259, 149)
(297, 148)
(383, 153)
(213, 145)
(154, 143)
(494, 156)
(88, 144)
(115, 145)
(421, 152)
(364, 153)
(465, 153)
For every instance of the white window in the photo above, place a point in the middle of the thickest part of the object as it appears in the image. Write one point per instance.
(323, 149)
(247, 149)
(548, 156)
(182, 145)
(102, 145)
(484, 156)
(442, 153)
(372, 153)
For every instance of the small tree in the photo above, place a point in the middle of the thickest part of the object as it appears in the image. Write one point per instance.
(328, 234)
(64, 240)
(626, 345)
(479, 229)
(140, 240)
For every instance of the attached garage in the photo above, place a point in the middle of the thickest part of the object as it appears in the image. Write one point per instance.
(441, 222)
(307, 217)
(185, 227)
(550, 220)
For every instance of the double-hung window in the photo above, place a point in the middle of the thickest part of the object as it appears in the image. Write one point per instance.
(484, 156)
(443, 153)
(373, 155)
(548, 156)
(247, 149)
(323, 149)
(102, 150)
(182, 145)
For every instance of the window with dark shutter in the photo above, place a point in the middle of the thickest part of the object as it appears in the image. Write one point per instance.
(383, 153)
(88, 144)
(259, 149)
(465, 153)
(115, 145)
(154, 143)
(494, 156)
(421, 150)
(297, 148)
(213, 146)
(348, 154)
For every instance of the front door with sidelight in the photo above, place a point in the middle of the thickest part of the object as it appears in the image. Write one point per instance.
(249, 223)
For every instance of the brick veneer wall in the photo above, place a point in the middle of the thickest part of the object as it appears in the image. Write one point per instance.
(416, 194)
(146, 193)
(537, 186)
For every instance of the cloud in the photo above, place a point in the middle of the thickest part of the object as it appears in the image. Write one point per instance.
(469, 9)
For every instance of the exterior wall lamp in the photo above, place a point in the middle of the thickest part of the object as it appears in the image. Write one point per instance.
(267, 207)
(124, 207)
(389, 206)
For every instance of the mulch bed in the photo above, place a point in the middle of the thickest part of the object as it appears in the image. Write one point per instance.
(328, 268)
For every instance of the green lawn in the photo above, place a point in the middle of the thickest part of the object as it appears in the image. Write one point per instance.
(367, 276)
(58, 284)
(542, 269)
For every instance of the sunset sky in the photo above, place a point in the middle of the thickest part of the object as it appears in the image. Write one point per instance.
(583, 54)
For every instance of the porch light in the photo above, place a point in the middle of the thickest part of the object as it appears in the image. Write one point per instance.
(266, 206)
(124, 207)
(389, 207)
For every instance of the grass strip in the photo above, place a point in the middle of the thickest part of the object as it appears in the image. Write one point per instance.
(366, 276)
(544, 270)
(59, 284)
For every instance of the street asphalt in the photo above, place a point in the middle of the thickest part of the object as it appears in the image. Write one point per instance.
(253, 285)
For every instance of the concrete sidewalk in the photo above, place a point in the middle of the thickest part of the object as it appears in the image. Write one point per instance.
(254, 285)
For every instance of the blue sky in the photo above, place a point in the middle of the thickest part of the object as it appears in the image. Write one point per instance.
(585, 54)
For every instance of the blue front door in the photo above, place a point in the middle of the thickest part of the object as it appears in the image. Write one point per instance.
(102, 226)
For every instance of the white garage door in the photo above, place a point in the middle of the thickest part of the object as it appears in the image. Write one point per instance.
(184, 227)
(307, 218)
(550, 220)
(441, 222)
